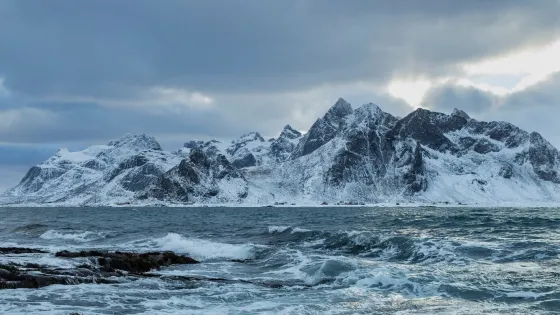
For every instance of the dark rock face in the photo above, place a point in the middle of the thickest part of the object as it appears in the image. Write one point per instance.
(281, 148)
(134, 161)
(36, 177)
(429, 127)
(503, 132)
(141, 178)
(247, 160)
(484, 146)
(460, 113)
(140, 141)
(324, 129)
(506, 171)
(289, 133)
(544, 158)
(193, 144)
(197, 176)
(242, 151)
(368, 148)
(338, 111)
(414, 179)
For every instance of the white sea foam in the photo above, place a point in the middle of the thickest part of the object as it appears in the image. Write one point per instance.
(278, 229)
(85, 236)
(300, 230)
(281, 229)
(526, 294)
(204, 249)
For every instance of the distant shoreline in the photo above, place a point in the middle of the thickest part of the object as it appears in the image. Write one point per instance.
(373, 205)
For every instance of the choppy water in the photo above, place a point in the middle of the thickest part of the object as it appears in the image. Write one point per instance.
(330, 260)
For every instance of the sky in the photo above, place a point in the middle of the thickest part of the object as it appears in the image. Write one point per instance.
(77, 73)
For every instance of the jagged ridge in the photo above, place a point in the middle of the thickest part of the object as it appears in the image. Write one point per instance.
(352, 156)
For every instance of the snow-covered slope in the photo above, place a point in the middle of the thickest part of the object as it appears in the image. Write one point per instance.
(347, 156)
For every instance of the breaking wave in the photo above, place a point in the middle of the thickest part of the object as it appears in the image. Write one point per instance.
(367, 244)
(85, 236)
(204, 249)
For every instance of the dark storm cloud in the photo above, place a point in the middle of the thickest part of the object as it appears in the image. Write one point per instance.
(120, 47)
(87, 122)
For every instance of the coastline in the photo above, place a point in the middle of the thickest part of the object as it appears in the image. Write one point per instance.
(301, 205)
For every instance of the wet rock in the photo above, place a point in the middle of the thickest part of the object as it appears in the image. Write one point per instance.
(105, 268)
(131, 262)
(20, 250)
(17, 277)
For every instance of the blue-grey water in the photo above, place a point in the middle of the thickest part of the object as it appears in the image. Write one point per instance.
(329, 260)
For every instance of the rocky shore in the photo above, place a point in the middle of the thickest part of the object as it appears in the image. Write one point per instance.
(100, 267)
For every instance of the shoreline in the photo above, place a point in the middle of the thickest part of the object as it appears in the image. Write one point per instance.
(372, 205)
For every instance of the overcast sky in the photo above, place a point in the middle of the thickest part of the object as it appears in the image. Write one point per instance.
(75, 73)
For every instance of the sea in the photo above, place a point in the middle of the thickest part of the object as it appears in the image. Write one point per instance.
(295, 260)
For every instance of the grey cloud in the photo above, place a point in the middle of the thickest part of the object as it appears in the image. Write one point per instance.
(448, 96)
(536, 108)
(120, 47)
(91, 122)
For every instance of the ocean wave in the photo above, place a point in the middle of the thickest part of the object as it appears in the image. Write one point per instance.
(279, 229)
(393, 247)
(31, 229)
(85, 236)
(202, 249)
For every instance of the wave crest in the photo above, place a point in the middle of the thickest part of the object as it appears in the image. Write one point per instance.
(204, 249)
(85, 236)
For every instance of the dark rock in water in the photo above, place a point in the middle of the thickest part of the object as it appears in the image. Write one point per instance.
(106, 268)
(33, 277)
(131, 262)
(20, 250)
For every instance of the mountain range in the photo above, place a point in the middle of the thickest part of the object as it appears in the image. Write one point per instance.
(348, 156)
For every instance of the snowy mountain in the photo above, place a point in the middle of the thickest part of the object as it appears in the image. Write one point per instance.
(347, 156)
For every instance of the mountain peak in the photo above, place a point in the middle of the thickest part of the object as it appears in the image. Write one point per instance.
(290, 133)
(340, 109)
(250, 136)
(142, 141)
(369, 107)
(460, 113)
